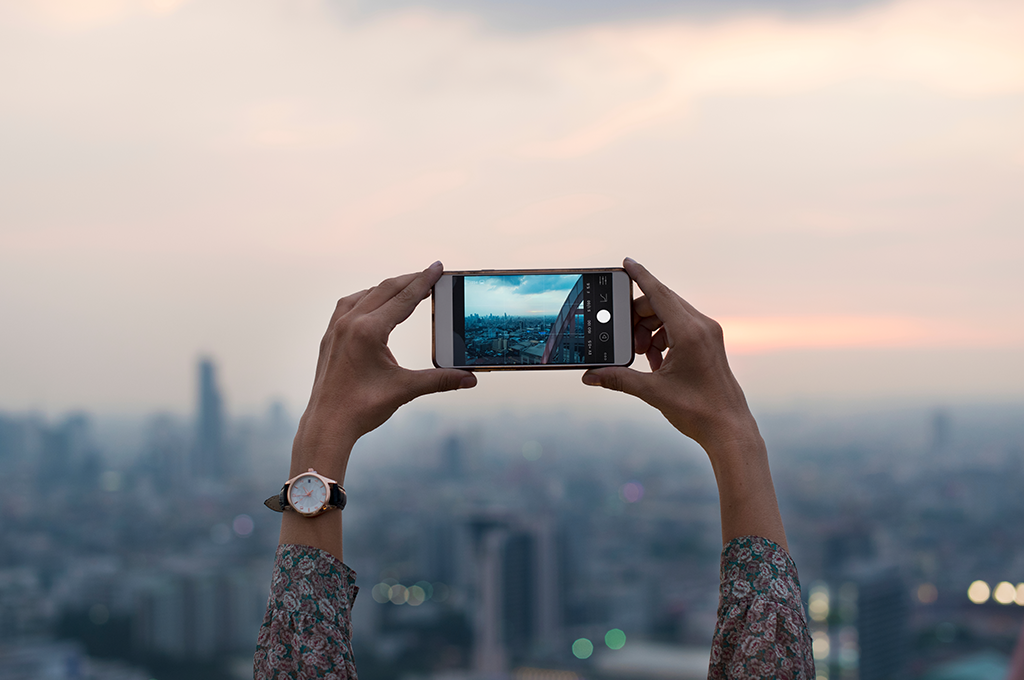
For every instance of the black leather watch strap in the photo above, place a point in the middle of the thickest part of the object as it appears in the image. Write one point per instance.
(338, 497)
(279, 502)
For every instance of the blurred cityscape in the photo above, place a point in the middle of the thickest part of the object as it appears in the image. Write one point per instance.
(525, 546)
(498, 340)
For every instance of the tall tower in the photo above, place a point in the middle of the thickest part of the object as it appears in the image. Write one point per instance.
(518, 591)
(208, 461)
(882, 615)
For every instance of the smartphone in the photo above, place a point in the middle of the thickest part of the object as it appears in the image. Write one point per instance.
(533, 319)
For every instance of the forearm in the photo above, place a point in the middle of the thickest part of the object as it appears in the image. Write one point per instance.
(745, 489)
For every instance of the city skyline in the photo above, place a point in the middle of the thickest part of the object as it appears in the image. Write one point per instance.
(897, 529)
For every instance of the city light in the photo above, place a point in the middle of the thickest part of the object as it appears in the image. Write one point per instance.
(1004, 593)
(1019, 599)
(399, 594)
(820, 645)
(428, 590)
(243, 525)
(416, 596)
(615, 639)
(532, 450)
(381, 593)
(818, 602)
(582, 648)
(927, 593)
(979, 592)
(631, 492)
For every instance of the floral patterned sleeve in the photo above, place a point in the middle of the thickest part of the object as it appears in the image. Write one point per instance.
(307, 630)
(762, 629)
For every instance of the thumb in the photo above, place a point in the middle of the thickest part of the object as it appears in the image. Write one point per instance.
(430, 380)
(618, 378)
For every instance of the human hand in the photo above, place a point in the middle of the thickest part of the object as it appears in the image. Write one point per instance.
(690, 380)
(693, 386)
(358, 383)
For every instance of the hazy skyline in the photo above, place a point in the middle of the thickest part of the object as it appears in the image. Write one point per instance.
(841, 189)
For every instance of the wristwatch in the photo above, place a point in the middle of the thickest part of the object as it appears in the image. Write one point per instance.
(309, 494)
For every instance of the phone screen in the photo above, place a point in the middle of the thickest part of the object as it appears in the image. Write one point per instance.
(532, 319)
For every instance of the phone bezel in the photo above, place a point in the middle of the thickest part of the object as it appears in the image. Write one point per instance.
(441, 317)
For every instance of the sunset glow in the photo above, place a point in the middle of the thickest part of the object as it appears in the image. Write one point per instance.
(186, 176)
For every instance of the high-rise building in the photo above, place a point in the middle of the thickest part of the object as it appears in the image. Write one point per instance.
(883, 612)
(518, 591)
(209, 455)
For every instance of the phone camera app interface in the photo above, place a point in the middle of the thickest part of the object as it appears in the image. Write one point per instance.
(526, 319)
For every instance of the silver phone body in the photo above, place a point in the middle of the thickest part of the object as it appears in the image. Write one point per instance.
(580, 318)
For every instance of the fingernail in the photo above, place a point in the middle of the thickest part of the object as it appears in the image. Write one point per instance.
(435, 265)
(589, 379)
(631, 260)
(467, 381)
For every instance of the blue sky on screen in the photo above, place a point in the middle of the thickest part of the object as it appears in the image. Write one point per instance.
(537, 295)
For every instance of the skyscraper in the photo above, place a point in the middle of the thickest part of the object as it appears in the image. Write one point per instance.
(208, 459)
(883, 612)
(518, 590)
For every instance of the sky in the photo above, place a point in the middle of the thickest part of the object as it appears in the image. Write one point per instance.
(841, 188)
(517, 295)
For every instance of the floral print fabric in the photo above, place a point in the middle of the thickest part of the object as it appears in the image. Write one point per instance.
(307, 630)
(762, 628)
(761, 632)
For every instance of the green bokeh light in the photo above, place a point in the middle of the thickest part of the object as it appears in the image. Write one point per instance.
(582, 648)
(615, 639)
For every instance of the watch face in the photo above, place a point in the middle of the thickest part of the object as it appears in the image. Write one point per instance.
(307, 494)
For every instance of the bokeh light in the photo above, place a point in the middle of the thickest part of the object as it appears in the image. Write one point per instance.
(399, 594)
(416, 596)
(243, 525)
(381, 593)
(818, 602)
(615, 639)
(1019, 599)
(631, 492)
(532, 450)
(1004, 593)
(582, 648)
(927, 593)
(821, 647)
(979, 592)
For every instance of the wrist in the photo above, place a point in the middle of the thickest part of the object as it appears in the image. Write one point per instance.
(728, 428)
(740, 464)
(324, 448)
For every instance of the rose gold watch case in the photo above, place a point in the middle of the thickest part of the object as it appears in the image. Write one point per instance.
(326, 481)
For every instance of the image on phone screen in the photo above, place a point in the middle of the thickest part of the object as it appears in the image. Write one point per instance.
(532, 319)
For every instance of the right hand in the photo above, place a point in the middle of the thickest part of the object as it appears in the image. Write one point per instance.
(358, 383)
(691, 383)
